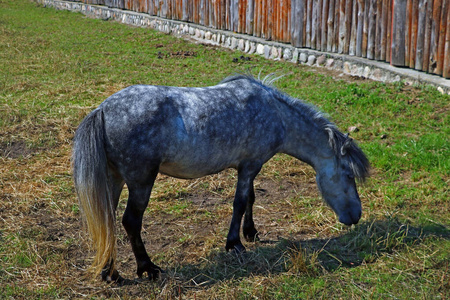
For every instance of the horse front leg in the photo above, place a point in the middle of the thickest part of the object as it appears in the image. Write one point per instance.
(249, 230)
(132, 221)
(244, 196)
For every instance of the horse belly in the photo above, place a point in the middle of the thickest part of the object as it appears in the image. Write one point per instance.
(194, 163)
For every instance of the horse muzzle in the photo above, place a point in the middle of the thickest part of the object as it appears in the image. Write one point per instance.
(350, 216)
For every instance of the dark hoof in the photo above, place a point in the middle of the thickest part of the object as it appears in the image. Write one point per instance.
(252, 236)
(237, 248)
(153, 271)
(113, 277)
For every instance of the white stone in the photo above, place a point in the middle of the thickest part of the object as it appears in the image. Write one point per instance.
(252, 48)
(303, 57)
(260, 49)
(366, 72)
(347, 67)
(295, 56)
(234, 42)
(321, 60)
(228, 42)
(241, 45)
(274, 52)
(311, 60)
(267, 51)
(247, 46)
(287, 54)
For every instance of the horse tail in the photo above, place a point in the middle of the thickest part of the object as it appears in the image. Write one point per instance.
(90, 174)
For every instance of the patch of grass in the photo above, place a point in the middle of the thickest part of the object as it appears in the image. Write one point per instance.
(56, 66)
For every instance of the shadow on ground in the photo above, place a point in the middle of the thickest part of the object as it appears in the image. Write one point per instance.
(362, 244)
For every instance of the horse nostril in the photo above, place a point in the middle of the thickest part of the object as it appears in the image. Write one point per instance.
(346, 220)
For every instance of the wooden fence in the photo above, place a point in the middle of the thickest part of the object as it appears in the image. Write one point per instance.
(406, 33)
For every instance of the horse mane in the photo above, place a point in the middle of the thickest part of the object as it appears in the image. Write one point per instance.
(343, 146)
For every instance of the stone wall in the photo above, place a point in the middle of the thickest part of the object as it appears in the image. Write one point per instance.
(346, 64)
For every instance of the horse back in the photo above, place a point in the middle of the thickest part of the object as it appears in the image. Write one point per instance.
(191, 132)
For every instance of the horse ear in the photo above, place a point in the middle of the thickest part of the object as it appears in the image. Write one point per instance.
(346, 145)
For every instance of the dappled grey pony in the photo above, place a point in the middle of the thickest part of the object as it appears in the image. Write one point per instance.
(192, 132)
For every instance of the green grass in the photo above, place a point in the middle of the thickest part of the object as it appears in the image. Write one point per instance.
(56, 66)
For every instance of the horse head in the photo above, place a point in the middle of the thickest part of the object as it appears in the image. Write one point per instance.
(336, 178)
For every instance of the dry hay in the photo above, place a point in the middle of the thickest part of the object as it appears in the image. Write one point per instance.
(184, 227)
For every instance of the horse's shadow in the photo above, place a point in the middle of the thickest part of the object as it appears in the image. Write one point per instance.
(361, 244)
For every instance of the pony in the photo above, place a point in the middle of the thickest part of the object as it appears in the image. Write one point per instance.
(188, 133)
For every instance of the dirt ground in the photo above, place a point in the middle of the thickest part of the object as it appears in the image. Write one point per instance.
(184, 228)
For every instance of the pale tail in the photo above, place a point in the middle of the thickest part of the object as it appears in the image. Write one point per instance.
(90, 173)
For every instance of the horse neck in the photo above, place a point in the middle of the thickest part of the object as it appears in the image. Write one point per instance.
(307, 140)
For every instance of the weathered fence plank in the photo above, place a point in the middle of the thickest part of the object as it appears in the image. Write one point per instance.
(413, 38)
(398, 33)
(359, 29)
(446, 66)
(330, 26)
(353, 28)
(442, 32)
(371, 30)
(313, 24)
(365, 28)
(297, 9)
(335, 47)
(324, 33)
(389, 30)
(341, 40)
(269, 22)
(348, 23)
(379, 23)
(427, 39)
(408, 31)
(383, 31)
(319, 24)
(420, 34)
(435, 24)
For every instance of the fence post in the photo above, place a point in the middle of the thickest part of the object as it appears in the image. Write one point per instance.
(398, 33)
(297, 8)
(330, 24)
(427, 39)
(442, 32)
(250, 16)
(384, 31)
(446, 66)
(353, 28)
(324, 34)
(435, 24)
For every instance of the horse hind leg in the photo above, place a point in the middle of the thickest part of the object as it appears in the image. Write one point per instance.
(116, 183)
(139, 196)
